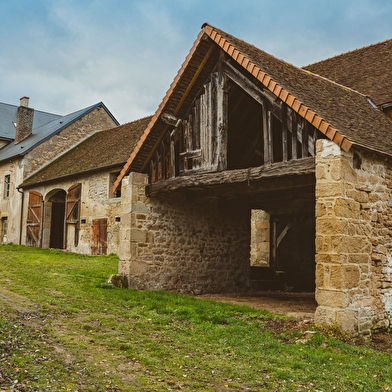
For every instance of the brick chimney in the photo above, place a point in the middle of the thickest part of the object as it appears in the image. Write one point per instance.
(24, 120)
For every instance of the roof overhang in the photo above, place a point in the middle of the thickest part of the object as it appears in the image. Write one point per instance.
(217, 39)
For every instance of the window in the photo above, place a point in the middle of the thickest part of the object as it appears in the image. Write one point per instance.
(4, 226)
(7, 186)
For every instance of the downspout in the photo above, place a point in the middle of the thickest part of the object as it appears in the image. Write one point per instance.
(21, 214)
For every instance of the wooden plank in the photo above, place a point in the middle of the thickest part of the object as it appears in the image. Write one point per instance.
(34, 219)
(283, 234)
(193, 80)
(219, 118)
(191, 154)
(152, 171)
(196, 123)
(298, 167)
(188, 135)
(270, 137)
(172, 159)
(267, 157)
(212, 106)
(292, 126)
(299, 127)
(284, 134)
(312, 142)
(222, 118)
(257, 93)
(304, 138)
(203, 130)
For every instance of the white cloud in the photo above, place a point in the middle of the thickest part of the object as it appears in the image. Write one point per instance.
(69, 54)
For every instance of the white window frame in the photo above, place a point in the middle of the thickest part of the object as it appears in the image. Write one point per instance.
(7, 186)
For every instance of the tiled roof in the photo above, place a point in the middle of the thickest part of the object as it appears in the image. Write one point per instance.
(46, 131)
(103, 150)
(342, 114)
(367, 70)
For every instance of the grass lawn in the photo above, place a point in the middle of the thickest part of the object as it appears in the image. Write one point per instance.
(63, 328)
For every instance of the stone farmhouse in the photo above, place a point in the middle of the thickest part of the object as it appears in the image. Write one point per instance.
(29, 140)
(69, 204)
(254, 173)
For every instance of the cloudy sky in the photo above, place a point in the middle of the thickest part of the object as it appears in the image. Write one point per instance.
(69, 54)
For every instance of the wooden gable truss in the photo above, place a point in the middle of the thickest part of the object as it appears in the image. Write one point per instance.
(233, 123)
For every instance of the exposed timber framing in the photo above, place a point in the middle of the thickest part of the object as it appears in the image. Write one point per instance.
(268, 130)
(299, 167)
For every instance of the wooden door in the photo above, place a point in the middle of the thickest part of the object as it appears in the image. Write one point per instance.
(73, 210)
(100, 235)
(34, 219)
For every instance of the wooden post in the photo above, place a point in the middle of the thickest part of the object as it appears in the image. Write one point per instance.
(270, 136)
(304, 138)
(267, 156)
(221, 103)
(291, 126)
(284, 133)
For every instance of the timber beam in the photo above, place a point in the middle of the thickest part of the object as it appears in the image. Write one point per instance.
(281, 175)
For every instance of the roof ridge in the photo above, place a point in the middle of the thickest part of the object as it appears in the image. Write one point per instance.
(35, 110)
(335, 83)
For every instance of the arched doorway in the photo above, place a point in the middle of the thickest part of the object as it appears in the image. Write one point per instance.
(57, 219)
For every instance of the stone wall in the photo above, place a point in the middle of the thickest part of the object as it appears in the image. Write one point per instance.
(260, 239)
(95, 204)
(182, 242)
(20, 168)
(353, 239)
(98, 119)
(10, 206)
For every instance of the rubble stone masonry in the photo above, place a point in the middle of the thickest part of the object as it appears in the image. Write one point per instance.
(98, 119)
(353, 239)
(183, 243)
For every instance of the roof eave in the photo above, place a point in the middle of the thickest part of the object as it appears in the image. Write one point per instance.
(267, 81)
(67, 176)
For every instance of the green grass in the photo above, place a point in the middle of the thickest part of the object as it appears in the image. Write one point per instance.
(63, 328)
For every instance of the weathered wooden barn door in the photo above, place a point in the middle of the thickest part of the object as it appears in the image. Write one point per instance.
(100, 234)
(73, 210)
(34, 219)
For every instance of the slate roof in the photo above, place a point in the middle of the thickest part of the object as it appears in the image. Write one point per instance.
(102, 150)
(8, 115)
(340, 113)
(367, 70)
(45, 131)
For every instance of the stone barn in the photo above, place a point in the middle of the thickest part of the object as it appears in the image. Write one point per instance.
(256, 174)
(29, 140)
(68, 204)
